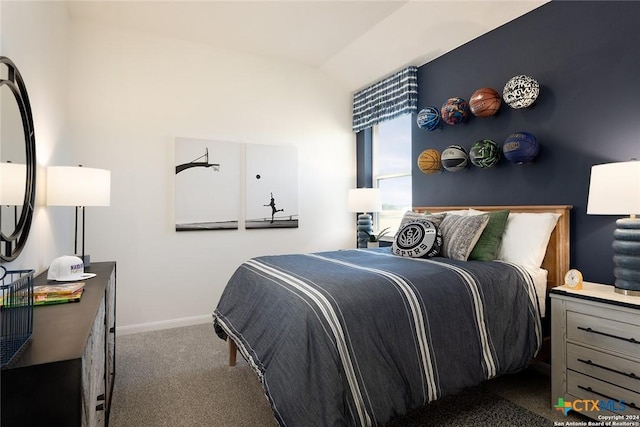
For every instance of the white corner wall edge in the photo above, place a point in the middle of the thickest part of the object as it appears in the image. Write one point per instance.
(164, 324)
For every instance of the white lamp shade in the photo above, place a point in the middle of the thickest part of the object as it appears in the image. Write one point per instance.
(615, 189)
(364, 200)
(78, 186)
(13, 177)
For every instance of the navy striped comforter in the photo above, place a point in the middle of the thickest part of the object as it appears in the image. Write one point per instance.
(358, 337)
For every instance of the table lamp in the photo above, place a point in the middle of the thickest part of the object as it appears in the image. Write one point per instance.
(80, 187)
(615, 190)
(363, 201)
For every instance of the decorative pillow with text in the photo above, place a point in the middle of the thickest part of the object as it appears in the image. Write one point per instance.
(417, 239)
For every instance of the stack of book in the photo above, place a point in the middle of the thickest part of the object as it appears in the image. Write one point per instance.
(58, 293)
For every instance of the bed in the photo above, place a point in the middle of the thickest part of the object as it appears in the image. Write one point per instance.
(362, 336)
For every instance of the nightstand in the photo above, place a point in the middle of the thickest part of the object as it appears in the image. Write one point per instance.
(595, 350)
(65, 377)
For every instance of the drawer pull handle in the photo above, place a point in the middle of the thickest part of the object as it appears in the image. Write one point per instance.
(590, 363)
(589, 389)
(593, 331)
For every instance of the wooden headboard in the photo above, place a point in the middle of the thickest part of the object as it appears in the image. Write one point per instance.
(556, 259)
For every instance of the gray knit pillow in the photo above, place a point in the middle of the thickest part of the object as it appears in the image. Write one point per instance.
(460, 234)
(410, 216)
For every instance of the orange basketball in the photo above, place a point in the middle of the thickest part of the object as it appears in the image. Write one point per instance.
(429, 161)
(485, 102)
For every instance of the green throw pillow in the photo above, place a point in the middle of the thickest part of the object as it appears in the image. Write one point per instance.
(486, 249)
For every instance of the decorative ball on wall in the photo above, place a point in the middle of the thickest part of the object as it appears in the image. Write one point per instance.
(455, 111)
(429, 119)
(520, 147)
(485, 102)
(454, 158)
(429, 161)
(484, 154)
(520, 91)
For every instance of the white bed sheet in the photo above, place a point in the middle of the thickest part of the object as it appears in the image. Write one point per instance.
(539, 276)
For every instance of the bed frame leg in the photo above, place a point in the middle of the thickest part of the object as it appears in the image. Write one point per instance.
(233, 352)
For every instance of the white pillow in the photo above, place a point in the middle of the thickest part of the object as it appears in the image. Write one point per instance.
(525, 238)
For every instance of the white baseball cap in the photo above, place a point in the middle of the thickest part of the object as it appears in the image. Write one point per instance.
(67, 269)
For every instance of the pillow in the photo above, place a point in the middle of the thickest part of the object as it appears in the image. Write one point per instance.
(410, 216)
(461, 212)
(417, 239)
(460, 234)
(486, 249)
(525, 238)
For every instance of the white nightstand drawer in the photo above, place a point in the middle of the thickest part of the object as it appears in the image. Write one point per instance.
(586, 387)
(616, 370)
(604, 333)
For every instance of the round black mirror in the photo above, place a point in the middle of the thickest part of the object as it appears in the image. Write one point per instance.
(17, 162)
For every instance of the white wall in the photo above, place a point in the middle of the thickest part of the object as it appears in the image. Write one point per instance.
(130, 95)
(34, 35)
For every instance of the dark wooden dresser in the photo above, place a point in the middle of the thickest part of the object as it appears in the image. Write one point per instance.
(65, 377)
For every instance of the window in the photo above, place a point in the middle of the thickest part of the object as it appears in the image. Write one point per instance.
(392, 169)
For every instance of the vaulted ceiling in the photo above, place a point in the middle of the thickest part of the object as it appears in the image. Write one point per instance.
(355, 41)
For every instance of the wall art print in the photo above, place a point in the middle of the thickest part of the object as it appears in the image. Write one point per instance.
(271, 180)
(207, 184)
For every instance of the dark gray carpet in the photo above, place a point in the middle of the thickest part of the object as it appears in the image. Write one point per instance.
(180, 378)
(474, 407)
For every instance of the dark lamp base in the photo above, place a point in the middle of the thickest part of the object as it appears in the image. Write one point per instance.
(626, 258)
(627, 292)
(86, 260)
(365, 226)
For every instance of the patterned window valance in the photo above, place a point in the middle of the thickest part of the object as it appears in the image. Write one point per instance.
(386, 99)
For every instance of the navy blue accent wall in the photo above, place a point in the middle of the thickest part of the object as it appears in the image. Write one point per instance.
(585, 57)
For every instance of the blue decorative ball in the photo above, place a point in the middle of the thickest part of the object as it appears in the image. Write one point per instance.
(429, 119)
(455, 111)
(520, 147)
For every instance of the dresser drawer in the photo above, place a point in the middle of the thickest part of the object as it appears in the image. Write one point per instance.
(615, 370)
(604, 333)
(585, 387)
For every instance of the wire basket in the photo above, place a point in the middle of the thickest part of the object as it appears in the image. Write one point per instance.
(16, 313)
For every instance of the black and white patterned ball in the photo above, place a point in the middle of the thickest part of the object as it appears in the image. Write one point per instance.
(520, 91)
(418, 239)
